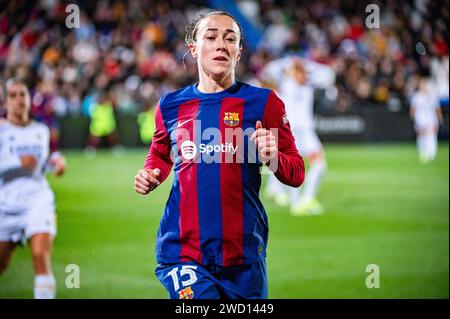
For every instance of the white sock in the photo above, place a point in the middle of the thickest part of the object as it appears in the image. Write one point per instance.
(434, 146)
(431, 146)
(313, 179)
(421, 146)
(44, 287)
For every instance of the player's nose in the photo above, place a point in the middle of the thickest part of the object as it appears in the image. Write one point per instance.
(220, 44)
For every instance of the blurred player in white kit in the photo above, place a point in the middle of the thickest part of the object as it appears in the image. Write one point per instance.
(289, 77)
(27, 204)
(426, 113)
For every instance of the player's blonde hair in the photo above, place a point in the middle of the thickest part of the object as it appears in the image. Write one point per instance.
(15, 81)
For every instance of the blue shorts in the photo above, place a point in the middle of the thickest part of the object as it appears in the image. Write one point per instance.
(189, 280)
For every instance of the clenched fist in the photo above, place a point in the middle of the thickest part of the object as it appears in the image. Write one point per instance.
(146, 180)
(265, 143)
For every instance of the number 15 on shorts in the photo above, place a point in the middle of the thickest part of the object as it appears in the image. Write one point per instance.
(186, 270)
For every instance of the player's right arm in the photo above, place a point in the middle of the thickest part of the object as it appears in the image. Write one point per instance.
(13, 163)
(158, 162)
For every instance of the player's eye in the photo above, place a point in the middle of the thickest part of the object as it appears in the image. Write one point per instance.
(231, 39)
(210, 38)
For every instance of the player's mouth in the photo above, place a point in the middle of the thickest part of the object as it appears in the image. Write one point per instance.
(220, 58)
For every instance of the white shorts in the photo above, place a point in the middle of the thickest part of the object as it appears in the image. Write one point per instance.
(307, 141)
(426, 126)
(17, 227)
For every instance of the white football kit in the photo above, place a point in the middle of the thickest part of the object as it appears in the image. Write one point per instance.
(425, 105)
(27, 204)
(426, 123)
(299, 101)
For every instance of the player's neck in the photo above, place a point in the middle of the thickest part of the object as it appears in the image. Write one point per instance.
(208, 84)
(18, 120)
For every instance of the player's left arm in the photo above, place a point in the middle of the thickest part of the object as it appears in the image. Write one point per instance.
(276, 144)
(58, 163)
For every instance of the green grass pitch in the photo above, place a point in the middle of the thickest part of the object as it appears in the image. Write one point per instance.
(382, 207)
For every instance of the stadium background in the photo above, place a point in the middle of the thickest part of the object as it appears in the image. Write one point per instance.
(382, 206)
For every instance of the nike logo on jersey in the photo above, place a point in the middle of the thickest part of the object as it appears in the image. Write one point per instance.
(184, 122)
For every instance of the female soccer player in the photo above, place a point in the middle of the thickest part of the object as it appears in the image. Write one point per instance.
(427, 115)
(290, 79)
(27, 208)
(212, 238)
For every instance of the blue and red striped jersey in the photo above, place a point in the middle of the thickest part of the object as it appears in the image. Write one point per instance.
(214, 214)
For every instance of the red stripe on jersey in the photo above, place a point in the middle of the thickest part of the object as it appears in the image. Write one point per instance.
(231, 117)
(189, 225)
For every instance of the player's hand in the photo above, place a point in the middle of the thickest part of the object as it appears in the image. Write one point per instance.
(146, 180)
(28, 162)
(59, 163)
(265, 143)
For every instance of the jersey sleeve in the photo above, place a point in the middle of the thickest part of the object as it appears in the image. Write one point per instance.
(159, 153)
(290, 168)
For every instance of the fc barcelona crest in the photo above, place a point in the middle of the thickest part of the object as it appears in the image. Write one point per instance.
(231, 118)
(186, 293)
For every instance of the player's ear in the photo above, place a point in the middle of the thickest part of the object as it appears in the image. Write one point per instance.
(239, 55)
(193, 49)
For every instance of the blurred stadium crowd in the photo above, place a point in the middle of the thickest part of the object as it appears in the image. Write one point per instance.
(132, 52)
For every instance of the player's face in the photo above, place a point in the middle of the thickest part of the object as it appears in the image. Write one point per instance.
(217, 46)
(423, 85)
(17, 100)
(299, 73)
